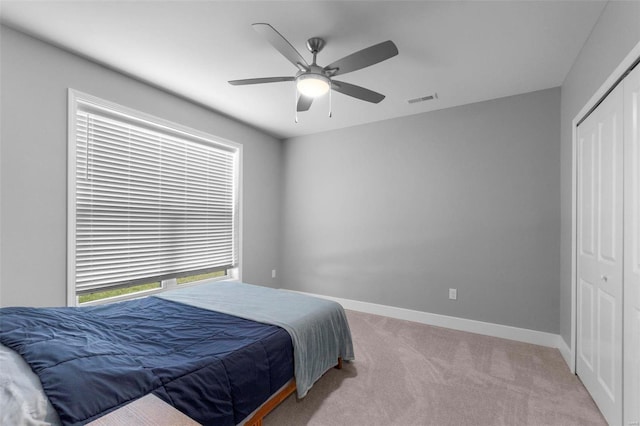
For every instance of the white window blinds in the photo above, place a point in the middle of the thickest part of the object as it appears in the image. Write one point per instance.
(151, 203)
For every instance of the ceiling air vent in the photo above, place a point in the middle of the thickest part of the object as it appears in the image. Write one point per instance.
(424, 98)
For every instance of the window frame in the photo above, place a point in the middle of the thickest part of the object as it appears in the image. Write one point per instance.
(75, 99)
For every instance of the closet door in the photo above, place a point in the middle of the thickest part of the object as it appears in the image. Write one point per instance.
(632, 248)
(600, 255)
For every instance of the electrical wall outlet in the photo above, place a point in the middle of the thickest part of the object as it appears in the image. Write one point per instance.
(273, 273)
(453, 293)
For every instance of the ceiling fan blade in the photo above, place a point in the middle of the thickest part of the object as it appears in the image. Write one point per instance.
(281, 44)
(260, 80)
(356, 91)
(304, 103)
(364, 58)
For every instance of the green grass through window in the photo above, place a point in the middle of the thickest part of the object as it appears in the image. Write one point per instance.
(90, 297)
(199, 277)
(117, 292)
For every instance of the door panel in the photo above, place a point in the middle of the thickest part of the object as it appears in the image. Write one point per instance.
(606, 343)
(586, 212)
(586, 339)
(632, 248)
(600, 221)
(610, 179)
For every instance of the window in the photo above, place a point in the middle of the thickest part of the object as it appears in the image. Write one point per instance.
(151, 204)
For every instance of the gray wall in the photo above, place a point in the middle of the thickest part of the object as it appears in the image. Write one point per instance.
(398, 211)
(33, 156)
(614, 36)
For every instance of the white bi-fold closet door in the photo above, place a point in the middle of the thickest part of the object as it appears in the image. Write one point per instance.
(608, 268)
(631, 277)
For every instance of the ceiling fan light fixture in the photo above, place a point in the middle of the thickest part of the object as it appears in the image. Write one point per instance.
(313, 85)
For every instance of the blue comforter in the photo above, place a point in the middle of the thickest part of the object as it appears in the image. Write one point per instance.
(214, 367)
(318, 327)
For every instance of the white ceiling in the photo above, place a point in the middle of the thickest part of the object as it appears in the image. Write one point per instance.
(466, 51)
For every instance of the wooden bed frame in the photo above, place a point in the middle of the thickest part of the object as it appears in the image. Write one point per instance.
(152, 411)
(275, 400)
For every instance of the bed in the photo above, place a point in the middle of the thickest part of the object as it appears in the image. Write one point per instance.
(223, 353)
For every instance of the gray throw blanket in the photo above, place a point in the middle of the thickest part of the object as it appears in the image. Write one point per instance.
(318, 327)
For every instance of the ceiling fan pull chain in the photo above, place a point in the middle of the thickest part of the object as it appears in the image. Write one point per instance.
(330, 104)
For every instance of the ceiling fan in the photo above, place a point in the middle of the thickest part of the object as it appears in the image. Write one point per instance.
(312, 80)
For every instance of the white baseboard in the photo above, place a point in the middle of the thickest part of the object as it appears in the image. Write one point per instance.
(488, 329)
(565, 351)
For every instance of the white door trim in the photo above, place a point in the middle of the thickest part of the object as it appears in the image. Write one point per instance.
(597, 96)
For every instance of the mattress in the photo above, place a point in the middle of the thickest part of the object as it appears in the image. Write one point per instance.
(214, 367)
(215, 351)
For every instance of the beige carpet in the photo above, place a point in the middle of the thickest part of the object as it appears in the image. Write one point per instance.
(413, 374)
